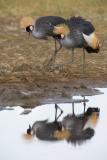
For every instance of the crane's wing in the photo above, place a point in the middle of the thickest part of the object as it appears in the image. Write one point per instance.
(47, 23)
(81, 24)
(50, 19)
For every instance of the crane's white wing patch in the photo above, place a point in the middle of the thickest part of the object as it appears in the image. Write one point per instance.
(92, 121)
(91, 40)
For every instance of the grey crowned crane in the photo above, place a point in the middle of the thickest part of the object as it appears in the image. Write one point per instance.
(73, 128)
(43, 28)
(78, 33)
(81, 127)
(45, 130)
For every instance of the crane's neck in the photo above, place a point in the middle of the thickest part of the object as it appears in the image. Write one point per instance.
(38, 34)
(67, 42)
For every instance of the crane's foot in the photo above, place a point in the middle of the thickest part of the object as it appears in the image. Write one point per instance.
(67, 63)
(53, 68)
(59, 67)
(49, 63)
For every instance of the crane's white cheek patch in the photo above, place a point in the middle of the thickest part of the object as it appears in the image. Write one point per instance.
(31, 28)
(91, 40)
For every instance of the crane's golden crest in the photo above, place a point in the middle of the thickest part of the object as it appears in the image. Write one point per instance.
(61, 29)
(61, 135)
(26, 21)
(27, 136)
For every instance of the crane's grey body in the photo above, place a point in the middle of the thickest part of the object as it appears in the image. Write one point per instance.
(45, 130)
(81, 126)
(78, 27)
(43, 27)
(74, 40)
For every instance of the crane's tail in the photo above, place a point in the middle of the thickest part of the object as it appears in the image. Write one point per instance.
(91, 50)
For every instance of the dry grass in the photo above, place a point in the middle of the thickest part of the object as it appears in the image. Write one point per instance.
(48, 7)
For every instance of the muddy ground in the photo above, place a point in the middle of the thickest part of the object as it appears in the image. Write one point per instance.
(30, 95)
(24, 59)
(24, 79)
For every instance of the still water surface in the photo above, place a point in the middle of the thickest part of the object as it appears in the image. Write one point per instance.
(13, 126)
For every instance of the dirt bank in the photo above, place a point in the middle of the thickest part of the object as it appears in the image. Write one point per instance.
(29, 95)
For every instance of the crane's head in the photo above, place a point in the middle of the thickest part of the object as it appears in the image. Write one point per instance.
(39, 31)
(62, 30)
(29, 28)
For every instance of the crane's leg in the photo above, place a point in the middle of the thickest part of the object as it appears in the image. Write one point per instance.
(84, 60)
(53, 57)
(61, 111)
(55, 52)
(73, 112)
(72, 60)
(84, 104)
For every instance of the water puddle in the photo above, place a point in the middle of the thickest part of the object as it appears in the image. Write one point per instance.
(74, 130)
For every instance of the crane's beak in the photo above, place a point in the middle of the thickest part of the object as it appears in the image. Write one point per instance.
(28, 30)
(29, 130)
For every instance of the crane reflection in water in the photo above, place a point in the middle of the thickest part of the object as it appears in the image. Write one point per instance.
(73, 128)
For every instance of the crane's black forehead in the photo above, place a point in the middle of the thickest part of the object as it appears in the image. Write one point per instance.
(28, 29)
(57, 36)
